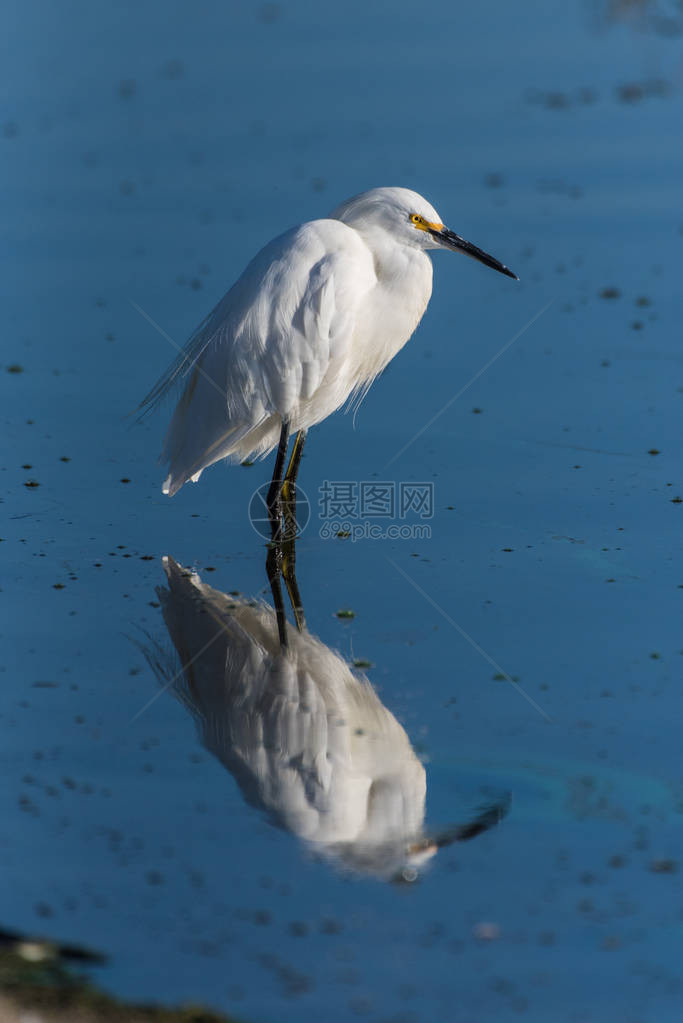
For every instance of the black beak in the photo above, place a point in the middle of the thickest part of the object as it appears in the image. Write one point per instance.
(451, 240)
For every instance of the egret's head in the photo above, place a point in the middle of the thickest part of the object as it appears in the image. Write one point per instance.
(410, 220)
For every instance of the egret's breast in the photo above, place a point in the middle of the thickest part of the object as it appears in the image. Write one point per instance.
(391, 311)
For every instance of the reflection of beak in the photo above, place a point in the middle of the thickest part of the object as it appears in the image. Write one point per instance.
(451, 240)
(424, 848)
(487, 818)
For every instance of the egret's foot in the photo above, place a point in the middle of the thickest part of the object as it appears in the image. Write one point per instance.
(275, 511)
(277, 532)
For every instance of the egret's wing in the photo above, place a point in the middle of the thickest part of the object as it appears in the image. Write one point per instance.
(274, 336)
(281, 330)
(181, 366)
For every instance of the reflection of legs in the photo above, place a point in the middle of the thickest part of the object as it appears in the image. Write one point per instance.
(291, 529)
(273, 568)
(281, 560)
(289, 576)
(274, 498)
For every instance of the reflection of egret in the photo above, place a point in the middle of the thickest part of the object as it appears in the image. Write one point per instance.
(307, 740)
(313, 319)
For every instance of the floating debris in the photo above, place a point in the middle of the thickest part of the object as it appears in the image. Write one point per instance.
(127, 88)
(635, 92)
(494, 180)
(664, 866)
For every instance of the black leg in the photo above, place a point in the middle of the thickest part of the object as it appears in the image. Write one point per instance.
(291, 528)
(274, 498)
(295, 458)
(281, 557)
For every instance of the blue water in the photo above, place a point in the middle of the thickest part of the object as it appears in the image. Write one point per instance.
(148, 151)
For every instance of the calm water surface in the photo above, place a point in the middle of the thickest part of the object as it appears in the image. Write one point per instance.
(148, 151)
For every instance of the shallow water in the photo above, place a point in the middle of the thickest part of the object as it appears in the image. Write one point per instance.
(148, 152)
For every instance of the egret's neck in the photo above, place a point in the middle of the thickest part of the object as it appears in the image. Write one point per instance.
(393, 308)
(395, 261)
(404, 283)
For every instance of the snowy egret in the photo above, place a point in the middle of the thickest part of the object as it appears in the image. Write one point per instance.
(308, 741)
(314, 318)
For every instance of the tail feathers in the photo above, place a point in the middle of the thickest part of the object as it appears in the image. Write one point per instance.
(184, 363)
(172, 485)
(186, 465)
(245, 440)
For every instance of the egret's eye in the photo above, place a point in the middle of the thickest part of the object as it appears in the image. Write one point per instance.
(416, 218)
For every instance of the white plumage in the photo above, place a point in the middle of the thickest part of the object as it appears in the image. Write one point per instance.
(308, 741)
(313, 319)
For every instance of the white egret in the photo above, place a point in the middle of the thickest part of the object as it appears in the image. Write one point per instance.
(308, 741)
(314, 318)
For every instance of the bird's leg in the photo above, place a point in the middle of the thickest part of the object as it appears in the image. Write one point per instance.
(273, 569)
(291, 530)
(293, 464)
(289, 486)
(281, 557)
(274, 499)
(289, 576)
